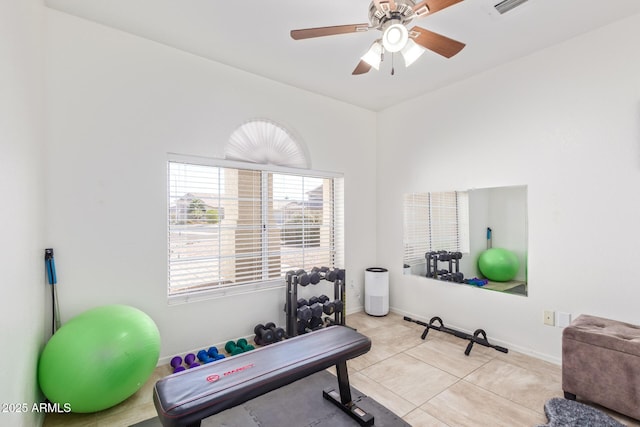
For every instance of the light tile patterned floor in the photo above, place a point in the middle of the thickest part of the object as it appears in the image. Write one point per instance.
(429, 383)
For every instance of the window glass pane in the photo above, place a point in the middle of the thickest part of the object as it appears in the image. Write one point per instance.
(231, 226)
(302, 219)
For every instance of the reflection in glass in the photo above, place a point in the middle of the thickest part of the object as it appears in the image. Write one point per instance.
(439, 226)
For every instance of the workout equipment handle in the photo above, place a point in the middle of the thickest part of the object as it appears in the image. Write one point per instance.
(50, 264)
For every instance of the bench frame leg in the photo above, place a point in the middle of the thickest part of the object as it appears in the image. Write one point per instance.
(343, 399)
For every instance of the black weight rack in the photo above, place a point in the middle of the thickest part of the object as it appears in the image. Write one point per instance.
(452, 274)
(291, 303)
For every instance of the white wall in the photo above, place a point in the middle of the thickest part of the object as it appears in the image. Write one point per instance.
(117, 105)
(564, 121)
(22, 305)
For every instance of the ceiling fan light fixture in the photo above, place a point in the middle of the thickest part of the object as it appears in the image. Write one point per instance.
(373, 56)
(411, 52)
(395, 37)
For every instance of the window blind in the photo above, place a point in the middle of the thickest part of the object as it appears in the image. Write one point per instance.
(230, 226)
(435, 222)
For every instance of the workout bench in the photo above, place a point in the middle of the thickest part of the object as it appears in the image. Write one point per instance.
(185, 398)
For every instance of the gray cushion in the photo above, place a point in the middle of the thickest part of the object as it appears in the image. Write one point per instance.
(607, 333)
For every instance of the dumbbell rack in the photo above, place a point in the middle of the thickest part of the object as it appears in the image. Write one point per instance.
(291, 304)
(452, 274)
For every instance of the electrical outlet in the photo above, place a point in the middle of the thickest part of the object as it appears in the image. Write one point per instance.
(549, 318)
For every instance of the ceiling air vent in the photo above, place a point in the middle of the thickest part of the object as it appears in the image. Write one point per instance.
(506, 5)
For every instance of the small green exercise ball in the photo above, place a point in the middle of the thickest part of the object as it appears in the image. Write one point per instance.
(499, 265)
(99, 358)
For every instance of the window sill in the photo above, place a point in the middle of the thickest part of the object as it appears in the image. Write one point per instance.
(227, 291)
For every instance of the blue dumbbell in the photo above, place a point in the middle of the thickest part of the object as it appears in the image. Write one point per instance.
(204, 357)
(213, 353)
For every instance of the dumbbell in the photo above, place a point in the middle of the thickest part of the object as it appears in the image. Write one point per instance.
(458, 277)
(338, 306)
(264, 335)
(304, 311)
(316, 310)
(444, 257)
(190, 360)
(233, 349)
(176, 364)
(321, 271)
(315, 323)
(304, 280)
(302, 327)
(244, 345)
(303, 277)
(336, 274)
(278, 333)
(213, 353)
(314, 277)
(204, 357)
(327, 306)
(330, 307)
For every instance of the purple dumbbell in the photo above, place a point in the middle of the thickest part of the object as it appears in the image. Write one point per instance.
(190, 360)
(176, 364)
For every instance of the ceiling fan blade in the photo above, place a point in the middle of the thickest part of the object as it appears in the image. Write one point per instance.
(362, 68)
(308, 33)
(436, 42)
(426, 7)
(436, 5)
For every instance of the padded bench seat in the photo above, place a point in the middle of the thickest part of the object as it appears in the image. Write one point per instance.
(601, 363)
(185, 398)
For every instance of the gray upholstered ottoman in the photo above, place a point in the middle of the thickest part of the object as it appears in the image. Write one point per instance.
(601, 363)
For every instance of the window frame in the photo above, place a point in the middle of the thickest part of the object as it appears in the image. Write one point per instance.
(262, 285)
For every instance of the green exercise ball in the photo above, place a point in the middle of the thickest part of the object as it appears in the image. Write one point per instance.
(499, 265)
(99, 358)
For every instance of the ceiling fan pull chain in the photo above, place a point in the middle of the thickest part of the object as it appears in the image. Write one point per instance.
(393, 71)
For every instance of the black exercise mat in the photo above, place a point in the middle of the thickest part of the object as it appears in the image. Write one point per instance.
(299, 404)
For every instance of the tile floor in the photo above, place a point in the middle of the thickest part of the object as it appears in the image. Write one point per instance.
(428, 383)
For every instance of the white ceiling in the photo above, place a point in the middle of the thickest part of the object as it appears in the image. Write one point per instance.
(253, 35)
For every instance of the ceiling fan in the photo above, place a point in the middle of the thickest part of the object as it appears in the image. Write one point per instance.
(391, 18)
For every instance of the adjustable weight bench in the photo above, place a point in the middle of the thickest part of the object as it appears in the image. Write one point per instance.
(187, 397)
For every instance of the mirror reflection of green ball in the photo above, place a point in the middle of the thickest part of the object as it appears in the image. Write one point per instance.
(499, 265)
(99, 358)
